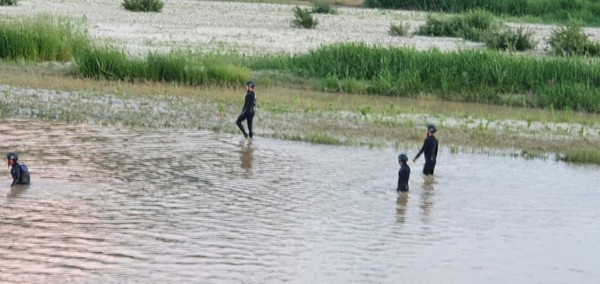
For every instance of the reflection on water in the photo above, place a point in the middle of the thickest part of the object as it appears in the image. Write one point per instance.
(246, 154)
(111, 204)
(17, 190)
(402, 202)
(427, 195)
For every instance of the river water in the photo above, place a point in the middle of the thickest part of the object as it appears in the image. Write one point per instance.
(110, 204)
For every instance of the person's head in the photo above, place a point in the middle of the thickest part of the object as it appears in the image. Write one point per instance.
(12, 158)
(402, 159)
(431, 129)
(250, 86)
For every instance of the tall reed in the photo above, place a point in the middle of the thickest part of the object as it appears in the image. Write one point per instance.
(41, 38)
(478, 76)
(175, 67)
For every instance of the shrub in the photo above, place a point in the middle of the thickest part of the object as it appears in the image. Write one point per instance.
(303, 18)
(571, 40)
(509, 39)
(143, 5)
(399, 30)
(323, 8)
(471, 26)
(8, 2)
(588, 156)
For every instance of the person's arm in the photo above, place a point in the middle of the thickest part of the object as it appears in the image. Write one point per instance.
(16, 174)
(420, 151)
(399, 180)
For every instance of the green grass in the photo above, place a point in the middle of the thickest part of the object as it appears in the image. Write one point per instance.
(571, 40)
(586, 156)
(480, 26)
(399, 30)
(303, 18)
(321, 138)
(176, 67)
(563, 11)
(40, 38)
(323, 8)
(143, 5)
(473, 76)
(8, 2)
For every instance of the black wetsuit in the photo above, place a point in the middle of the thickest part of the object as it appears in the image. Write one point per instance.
(247, 113)
(403, 176)
(20, 174)
(430, 148)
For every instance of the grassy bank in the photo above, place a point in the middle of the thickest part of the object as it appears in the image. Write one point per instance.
(199, 94)
(473, 76)
(316, 117)
(587, 11)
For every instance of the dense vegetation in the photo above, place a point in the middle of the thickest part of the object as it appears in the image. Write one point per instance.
(303, 18)
(8, 2)
(143, 5)
(476, 76)
(549, 10)
(177, 67)
(39, 39)
(481, 26)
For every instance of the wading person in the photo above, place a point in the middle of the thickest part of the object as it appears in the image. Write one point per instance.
(430, 149)
(248, 110)
(403, 173)
(19, 172)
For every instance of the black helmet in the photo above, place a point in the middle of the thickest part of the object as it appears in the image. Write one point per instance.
(12, 156)
(250, 83)
(431, 128)
(402, 158)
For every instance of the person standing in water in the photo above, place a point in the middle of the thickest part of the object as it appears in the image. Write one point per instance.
(19, 172)
(403, 173)
(430, 149)
(248, 110)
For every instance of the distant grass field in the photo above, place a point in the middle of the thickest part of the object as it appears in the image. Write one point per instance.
(558, 11)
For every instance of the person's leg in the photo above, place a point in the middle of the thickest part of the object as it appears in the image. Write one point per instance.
(428, 168)
(250, 119)
(240, 125)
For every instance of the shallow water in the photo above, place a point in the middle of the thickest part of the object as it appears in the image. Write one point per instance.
(113, 204)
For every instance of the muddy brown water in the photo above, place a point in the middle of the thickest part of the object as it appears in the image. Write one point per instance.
(111, 204)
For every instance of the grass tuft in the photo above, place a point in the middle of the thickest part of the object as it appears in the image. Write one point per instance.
(399, 30)
(303, 18)
(8, 2)
(323, 8)
(143, 5)
(585, 156)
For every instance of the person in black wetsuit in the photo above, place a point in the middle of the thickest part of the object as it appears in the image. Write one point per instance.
(19, 172)
(403, 173)
(430, 149)
(248, 110)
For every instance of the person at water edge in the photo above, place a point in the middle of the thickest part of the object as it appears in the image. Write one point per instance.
(403, 173)
(19, 172)
(430, 149)
(248, 110)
